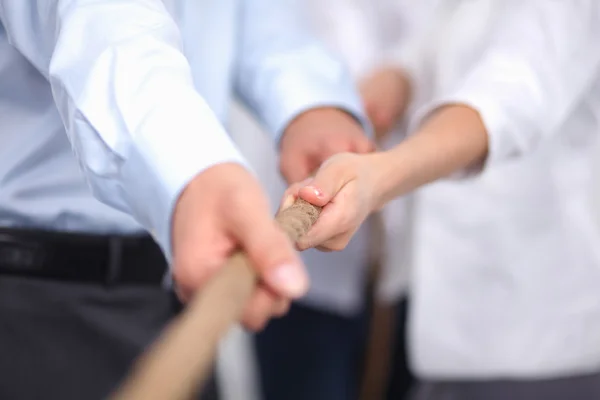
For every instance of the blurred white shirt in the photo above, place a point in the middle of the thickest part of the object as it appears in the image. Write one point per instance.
(506, 263)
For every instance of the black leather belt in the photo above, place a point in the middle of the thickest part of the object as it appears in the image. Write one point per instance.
(107, 260)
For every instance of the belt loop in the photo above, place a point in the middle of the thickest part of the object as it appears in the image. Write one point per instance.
(115, 257)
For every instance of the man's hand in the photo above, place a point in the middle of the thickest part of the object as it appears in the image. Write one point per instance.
(386, 94)
(224, 209)
(316, 135)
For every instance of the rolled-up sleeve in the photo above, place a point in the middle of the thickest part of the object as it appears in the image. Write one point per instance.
(284, 70)
(125, 94)
(539, 63)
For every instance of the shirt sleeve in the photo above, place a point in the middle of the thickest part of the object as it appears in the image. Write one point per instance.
(539, 64)
(124, 91)
(284, 70)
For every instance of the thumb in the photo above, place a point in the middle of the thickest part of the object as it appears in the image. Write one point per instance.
(273, 256)
(328, 181)
(291, 194)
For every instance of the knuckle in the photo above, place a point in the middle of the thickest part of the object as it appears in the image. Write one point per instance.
(192, 272)
(258, 311)
(186, 275)
(281, 310)
(284, 165)
(254, 324)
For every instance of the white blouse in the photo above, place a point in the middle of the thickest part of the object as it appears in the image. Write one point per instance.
(506, 263)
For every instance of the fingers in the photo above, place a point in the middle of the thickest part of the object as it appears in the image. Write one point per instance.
(294, 166)
(288, 199)
(262, 307)
(224, 209)
(271, 253)
(363, 146)
(199, 256)
(328, 181)
(291, 194)
(326, 231)
(281, 307)
(355, 141)
(338, 243)
(184, 295)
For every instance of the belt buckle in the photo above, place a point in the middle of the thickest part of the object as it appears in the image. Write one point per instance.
(20, 253)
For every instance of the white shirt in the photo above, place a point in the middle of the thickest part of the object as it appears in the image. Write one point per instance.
(142, 106)
(507, 263)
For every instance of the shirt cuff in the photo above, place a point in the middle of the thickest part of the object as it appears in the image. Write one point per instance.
(170, 150)
(501, 134)
(300, 94)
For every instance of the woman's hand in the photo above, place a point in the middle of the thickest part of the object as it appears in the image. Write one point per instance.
(346, 186)
(351, 186)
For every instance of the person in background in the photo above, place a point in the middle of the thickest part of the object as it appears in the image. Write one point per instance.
(316, 351)
(116, 101)
(505, 291)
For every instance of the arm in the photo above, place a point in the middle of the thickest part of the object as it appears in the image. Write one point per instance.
(125, 94)
(539, 64)
(284, 71)
(537, 67)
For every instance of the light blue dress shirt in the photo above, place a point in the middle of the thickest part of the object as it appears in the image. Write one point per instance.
(143, 87)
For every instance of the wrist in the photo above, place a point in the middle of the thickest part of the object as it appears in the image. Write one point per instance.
(386, 177)
(319, 117)
(451, 139)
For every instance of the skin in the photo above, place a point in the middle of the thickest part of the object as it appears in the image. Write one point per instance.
(314, 136)
(224, 208)
(386, 93)
(351, 186)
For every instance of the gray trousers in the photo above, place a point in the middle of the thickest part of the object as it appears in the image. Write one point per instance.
(573, 388)
(70, 341)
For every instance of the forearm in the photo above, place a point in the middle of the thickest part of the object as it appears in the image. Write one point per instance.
(516, 94)
(283, 70)
(453, 138)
